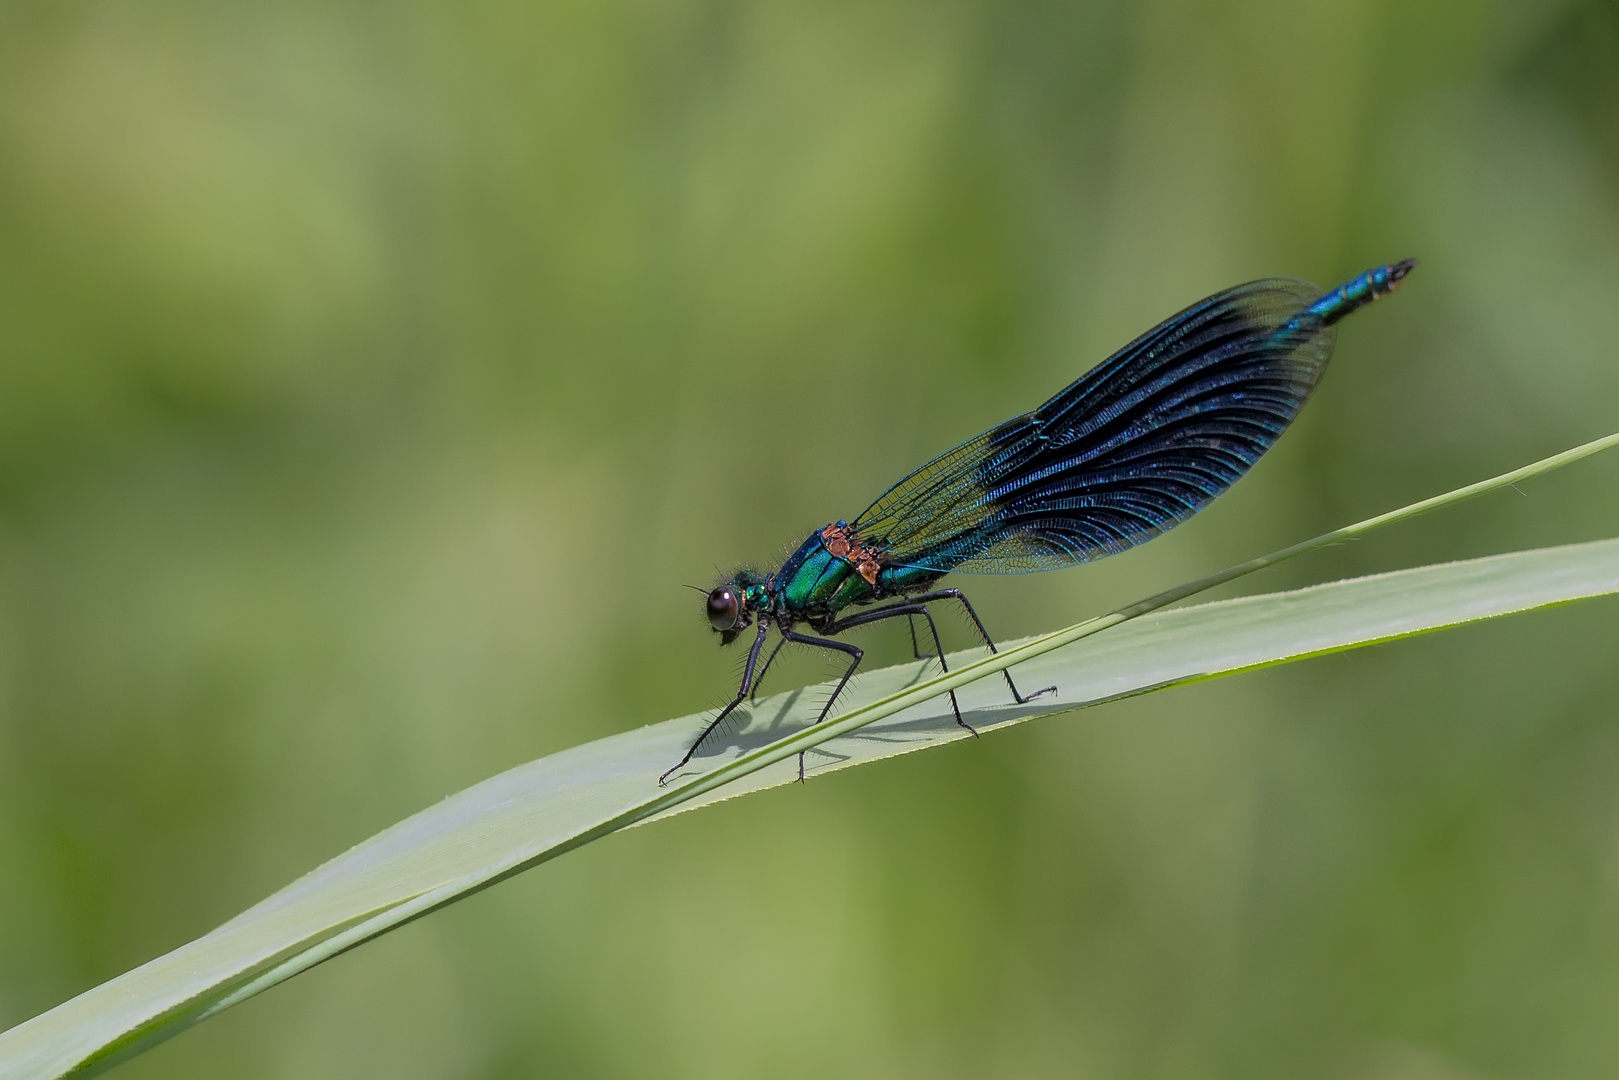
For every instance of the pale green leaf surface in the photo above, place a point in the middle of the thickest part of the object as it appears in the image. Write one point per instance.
(539, 810)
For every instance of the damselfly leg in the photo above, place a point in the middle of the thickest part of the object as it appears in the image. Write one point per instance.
(741, 694)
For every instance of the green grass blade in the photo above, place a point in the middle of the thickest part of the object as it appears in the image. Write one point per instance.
(540, 810)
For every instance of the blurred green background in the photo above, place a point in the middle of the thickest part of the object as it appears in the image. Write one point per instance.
(372, 377)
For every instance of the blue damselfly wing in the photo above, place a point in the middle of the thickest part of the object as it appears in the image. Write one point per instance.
(1134, 446)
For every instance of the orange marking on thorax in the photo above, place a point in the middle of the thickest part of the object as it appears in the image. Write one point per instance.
(844, 544)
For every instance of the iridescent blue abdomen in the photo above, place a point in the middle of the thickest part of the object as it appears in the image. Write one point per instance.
(1356, 294)
(897, 580)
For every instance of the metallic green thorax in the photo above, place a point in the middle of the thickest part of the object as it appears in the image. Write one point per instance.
(815, 581)
(825, 576)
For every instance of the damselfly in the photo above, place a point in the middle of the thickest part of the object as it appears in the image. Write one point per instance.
(1135, 446)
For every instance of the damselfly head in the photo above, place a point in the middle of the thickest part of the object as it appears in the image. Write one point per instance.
(724, 608)
(732, 604)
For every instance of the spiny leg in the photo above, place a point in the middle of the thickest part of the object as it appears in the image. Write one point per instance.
(909, 610)
(916, 649)
(955, 594)
(826, 643)
(742, 692)
(771, 659)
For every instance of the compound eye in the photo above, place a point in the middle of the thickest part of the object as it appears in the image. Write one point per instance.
(724, 608)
